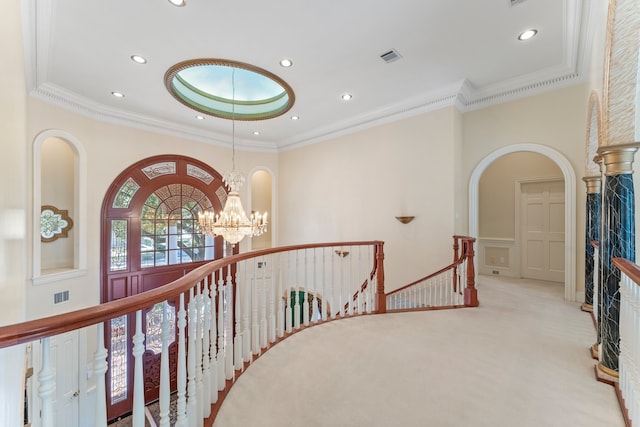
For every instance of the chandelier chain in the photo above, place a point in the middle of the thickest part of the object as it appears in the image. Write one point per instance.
(233, 119)
(232, 222)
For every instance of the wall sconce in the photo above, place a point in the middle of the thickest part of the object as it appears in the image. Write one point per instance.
(405, 219)
(342, 253)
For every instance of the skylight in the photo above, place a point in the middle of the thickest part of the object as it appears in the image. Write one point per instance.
(213, 86)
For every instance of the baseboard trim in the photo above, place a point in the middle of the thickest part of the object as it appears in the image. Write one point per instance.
(623, 406)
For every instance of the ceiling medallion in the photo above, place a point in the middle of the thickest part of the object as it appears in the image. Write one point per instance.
(204, 85)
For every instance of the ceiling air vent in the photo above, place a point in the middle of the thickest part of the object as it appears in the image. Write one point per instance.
(515, 2)
(390, 56)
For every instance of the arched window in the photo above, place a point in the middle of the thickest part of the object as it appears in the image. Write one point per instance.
(150, 237)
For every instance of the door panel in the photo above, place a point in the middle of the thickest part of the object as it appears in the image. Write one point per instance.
(64, 351)
(542, 230)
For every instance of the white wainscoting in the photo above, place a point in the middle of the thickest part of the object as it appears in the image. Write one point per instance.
(497, 256)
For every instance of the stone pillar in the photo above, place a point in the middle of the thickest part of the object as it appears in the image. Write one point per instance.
(592, 232)
(618, 240)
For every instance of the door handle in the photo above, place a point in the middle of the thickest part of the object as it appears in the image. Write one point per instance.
(76, 394)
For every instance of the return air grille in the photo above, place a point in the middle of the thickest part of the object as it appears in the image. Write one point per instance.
(390, 56)
(61, 297)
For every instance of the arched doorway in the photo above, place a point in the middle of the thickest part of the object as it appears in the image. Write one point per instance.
(570, 203)
(150, 237)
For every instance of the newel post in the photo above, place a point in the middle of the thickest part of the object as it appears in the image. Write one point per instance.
(470, 292)
(381, 298)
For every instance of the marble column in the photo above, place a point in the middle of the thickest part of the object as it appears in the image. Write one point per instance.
(592, 232)
(618, 240)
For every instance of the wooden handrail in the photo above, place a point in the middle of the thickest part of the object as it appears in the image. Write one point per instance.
(31, 330)
(457, 261)
(631, 269)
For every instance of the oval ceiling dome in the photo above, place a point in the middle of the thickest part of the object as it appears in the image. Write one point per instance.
(229, 89)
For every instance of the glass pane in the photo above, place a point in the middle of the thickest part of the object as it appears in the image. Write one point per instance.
(178, 256)
(125, 194)
(163, 193)
(153, 201)
(147, 227)
(162, 212)
(161, 258)
(199, 173)
(187, 190)
(159, 169)
(118, 353)
(161, 227)
(191, 205)
(209, 251)
(154, 327)
(118, 245)
(173, 235)
(148, 212)
(146, 259)
(175, 189)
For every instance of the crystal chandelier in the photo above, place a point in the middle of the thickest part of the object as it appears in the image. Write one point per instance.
(232, 223)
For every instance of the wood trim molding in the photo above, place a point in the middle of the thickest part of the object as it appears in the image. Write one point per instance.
(569, 196)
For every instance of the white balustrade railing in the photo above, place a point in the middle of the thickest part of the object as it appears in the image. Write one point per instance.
(629, 358)
(228, 312)
(449, 287)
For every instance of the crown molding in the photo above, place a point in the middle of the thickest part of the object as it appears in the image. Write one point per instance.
(579, 17)
(55, 95)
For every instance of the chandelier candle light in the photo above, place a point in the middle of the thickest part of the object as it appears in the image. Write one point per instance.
(232, 223)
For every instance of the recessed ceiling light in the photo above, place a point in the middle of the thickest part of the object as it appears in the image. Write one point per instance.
(286, 63)
(526, 35)
(118, 94)
(178, 3)
(138, 59)
(347, 96)
(199, 117)
(256, 132)
(294, 117)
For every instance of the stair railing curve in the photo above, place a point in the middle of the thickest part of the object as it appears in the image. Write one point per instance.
(254, 295)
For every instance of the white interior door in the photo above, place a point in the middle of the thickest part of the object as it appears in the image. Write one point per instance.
(64, 352)
(542, 230)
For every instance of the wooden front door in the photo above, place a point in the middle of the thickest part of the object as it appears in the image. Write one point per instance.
(150, 237)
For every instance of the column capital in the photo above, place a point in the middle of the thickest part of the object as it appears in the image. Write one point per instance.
(618, 159)
(594, 184)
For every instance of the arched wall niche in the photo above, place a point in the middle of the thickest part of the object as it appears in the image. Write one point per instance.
(570, 203)
(59, 181)
(262, 199)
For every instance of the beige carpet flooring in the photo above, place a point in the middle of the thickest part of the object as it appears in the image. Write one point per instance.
(520, 359)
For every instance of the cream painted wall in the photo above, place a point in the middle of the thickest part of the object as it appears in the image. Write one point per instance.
(261, 196)
(460, 184)
(556, 119)
(496, 198)
(111, 149)
(353, 187)
(12, 206)
(12, 165)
